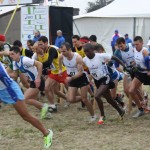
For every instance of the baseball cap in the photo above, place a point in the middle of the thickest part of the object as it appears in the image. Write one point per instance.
(116, 30)
(93, 38)
(126, 34)
(2, 38)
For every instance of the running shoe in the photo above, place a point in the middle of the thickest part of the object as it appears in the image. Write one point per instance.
(52, 108)
(44, 111)
(101, 120)
(48, 139)
(138, 114)
(122, 114)
(93, 118)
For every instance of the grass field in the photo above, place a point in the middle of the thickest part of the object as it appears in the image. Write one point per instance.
(72, 131)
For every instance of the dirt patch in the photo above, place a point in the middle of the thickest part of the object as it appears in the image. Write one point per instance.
(72, 130)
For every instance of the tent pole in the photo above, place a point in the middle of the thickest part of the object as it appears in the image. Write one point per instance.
(134, 27)
(77, 28)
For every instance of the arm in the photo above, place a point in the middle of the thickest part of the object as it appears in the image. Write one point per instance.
(80, 68)
(118, 60)
(2, 53)
(14, 74)
(60, 63)
(52, 54)
(39, 68)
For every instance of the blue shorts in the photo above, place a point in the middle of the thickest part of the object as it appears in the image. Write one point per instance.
(11, 94)
(116, 76)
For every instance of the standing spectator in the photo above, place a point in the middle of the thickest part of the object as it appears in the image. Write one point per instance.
(37, 35)
(114, 39)
(127, 39)
(60, 39)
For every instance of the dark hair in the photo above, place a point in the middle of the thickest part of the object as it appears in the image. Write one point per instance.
(88, 46)
(67, 45)
(138, 38)
(31, 42)
(93, 38)
(99, 47)
(15, 49)
(43, 39)
(17, 43)
(120, 40)
(76, 37)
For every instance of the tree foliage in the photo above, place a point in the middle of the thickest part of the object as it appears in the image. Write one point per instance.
(92, 6)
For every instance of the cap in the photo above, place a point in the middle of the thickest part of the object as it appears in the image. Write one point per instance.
(2, 38)
(126, 35)
(116, 30)
(93, 38)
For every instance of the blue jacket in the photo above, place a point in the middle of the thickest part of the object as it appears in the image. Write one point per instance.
(35, 39)
(128, 40)
(114, 39)
(59, 40)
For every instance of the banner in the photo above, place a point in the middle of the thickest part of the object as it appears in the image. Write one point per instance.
(34, 18)
(14, 2)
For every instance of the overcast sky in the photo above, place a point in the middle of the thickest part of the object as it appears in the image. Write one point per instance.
(81, 4)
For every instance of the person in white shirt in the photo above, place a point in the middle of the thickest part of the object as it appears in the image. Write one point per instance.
(142, 75)
(77, 77)
(32, 69)
(99, 71)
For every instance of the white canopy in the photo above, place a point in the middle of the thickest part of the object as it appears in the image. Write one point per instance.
(127, 16)
(122, 8)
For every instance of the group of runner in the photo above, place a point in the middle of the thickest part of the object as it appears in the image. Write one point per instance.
(47, 68)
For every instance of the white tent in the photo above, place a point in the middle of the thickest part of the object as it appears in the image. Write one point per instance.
(128, 16)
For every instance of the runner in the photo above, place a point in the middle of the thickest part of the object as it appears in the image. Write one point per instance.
(98, 69)
(10, 93)
(32, 70)
(77, 78)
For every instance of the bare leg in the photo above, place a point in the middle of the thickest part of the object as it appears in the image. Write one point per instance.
(21, 108)
(29, 97)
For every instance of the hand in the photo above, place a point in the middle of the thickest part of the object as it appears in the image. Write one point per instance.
(37, 82)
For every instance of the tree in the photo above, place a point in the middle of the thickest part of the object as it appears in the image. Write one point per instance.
(97, 5)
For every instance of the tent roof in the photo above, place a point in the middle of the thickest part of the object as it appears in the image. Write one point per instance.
(122, 8)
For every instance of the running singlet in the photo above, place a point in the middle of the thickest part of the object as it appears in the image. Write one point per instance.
(26, 66)
(82, 54)
(5, 80)
(97, 66)
(71, 65)
(54, 66)
(128, 56)
(139, 59)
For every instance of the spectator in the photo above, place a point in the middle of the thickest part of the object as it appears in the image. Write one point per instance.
(127, 39)
(60, 39)
(114, 39)
(37, 35)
